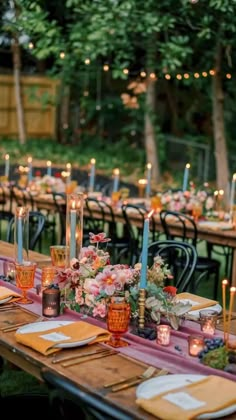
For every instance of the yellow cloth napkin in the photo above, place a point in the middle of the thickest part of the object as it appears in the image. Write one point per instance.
(215, 393)
(198, 302)
(5, 293)
(44, 341)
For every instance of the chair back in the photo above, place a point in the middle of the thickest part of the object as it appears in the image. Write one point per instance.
(59, 200)
(176, 225)
(171, 251)
(36, 226)
(134, 216)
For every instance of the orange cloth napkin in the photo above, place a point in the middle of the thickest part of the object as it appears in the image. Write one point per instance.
(44, 341)
(198, 302)
(5, 293)
(212, 394)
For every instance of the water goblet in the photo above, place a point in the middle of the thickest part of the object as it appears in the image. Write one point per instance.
(118, 317)
(25, 274)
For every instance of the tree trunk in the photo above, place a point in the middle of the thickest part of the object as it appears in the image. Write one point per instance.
(18, 90)
(149, 130)
(222, 169)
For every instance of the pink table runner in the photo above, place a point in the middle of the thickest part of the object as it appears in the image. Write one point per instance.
(142, 349)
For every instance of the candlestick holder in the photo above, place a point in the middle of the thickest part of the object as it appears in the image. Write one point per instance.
(51, 301)
(21, 234)
(141, 301)
(74, 224)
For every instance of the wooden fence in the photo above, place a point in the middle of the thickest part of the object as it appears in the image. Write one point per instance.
(39, 100)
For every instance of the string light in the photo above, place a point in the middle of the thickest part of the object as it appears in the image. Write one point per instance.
(152, 76)
(106, 67)
(167, 76)
(143, 74)
(204, 74)
(186, 76)
(62, 55)
(196, 75)
(228, 76)
(126, 71)
(31, 45)
(87, 61)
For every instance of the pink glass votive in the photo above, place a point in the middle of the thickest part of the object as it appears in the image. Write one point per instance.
(208, 320)
(195, 344)
(163, 335)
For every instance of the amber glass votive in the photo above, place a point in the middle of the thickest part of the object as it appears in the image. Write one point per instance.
(195, 344)
(48, 275)
(51, 301)
(208, 320)
(163, 335)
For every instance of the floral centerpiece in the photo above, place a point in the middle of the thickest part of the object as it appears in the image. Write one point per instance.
(91, 280)
(185, 200)
(47, 184)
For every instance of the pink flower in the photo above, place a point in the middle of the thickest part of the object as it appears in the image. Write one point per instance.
(91, 286)
(100, 237)
(100, 310)
(78, 297)
(108, 282)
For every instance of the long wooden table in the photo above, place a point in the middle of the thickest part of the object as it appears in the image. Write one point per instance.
(7, 250)
(89, 377)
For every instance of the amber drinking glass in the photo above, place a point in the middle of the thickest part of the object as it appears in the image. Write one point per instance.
(197, 211)
(25, 274)
(59, 254)
(48, 275)
(118, 317)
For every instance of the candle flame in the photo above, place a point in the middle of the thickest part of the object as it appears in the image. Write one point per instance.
(149, 166)
(93, 161)
(150, 214)
(221, 192)
(68, 166)
(116, 171)
(7, 157)
(49, 163)
(188, 165)
(29, 159)
(73, 204)
(216, 192)
(225, 282)
(234, 177)
(232, 289)
(142, 181)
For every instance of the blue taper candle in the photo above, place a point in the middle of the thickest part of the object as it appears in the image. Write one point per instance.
(92, 175)
(72, 234)
(149, 175)
(116, 174)
(186, 175)
(144, 255)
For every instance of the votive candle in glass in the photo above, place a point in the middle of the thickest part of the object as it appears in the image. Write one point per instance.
(195, 344)
(47, 276)
(51, 301)
(163, 335)
(21, 234)
(74, 224)
(208, 320)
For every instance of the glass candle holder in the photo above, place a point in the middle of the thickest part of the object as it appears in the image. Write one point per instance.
(74, 224)
(141, 187)
(51, 301)
(208, 320)
(59, 255)
(47, 276)
(195, 344)
(21, 234)
(163, 335)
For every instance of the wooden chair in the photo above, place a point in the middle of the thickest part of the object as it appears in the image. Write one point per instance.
(91, 405)
(172, 251)
(205, 267)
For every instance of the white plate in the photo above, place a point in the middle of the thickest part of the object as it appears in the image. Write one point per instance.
(49, 325)
(5, 300)
(195, 314)
(156, 386)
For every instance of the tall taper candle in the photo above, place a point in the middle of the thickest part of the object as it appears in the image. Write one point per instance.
(30, 173)
(149, 176)
(68, 170)
(92, 175)
(144, 254)
(49, 168)
(20, 240)
(232, 193)
(7, 165)
(231, 304)
(72, 231)
(186, 175)
(224, 284)
(116, 174)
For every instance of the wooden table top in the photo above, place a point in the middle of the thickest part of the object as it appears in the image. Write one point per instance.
(7, 250)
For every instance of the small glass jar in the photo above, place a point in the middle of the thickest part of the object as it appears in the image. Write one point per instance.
(163, 335)
(51, 301)
(208, 320)
(195, 344)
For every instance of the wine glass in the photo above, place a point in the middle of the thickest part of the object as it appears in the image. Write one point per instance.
(118, 317)
(25, 274)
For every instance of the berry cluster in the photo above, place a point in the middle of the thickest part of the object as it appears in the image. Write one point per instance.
(211, 344)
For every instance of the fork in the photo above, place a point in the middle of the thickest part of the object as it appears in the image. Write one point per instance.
(146, 374)
(140, 379)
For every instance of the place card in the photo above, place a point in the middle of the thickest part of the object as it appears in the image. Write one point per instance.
(184, 400)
